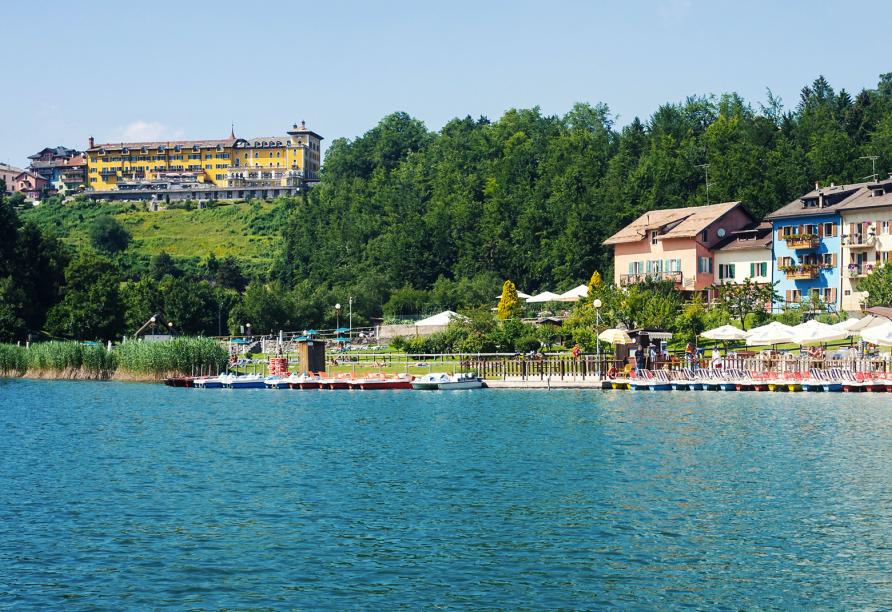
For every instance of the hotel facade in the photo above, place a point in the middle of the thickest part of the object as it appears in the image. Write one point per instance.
(227, 168)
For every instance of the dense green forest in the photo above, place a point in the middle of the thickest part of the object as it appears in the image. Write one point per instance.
(409, 221)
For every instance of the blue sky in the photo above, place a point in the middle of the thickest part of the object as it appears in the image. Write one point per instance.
(121, 70)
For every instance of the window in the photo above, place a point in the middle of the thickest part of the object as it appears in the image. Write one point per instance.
(830, 229)
(653, 236)
(885, 227)
(726, 271)
(704, 265)
(758, 268)
(704, 235)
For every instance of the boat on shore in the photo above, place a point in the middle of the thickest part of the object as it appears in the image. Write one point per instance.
(275, 382)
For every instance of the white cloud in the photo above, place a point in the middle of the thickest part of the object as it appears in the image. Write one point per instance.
(140, 130)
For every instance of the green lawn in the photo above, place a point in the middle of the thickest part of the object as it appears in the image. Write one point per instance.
(246, 230)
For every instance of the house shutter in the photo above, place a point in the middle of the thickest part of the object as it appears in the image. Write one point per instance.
(833, 260)
(752, 270)
(820, 229)
(631, 268)
(732, 271)
(780, 233)
(832, 299)
(789, 296)
(800, 229)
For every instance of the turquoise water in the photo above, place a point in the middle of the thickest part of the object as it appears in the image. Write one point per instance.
(120, 495)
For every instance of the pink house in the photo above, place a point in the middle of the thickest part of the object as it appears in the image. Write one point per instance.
(675, 244)
(31, 185)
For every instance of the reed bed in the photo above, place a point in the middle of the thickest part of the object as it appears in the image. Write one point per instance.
(183, 356)
(132, 360)
(13, 360)
(70, 360)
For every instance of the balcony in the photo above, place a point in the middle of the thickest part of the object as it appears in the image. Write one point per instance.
(859, 241)
(802, 241)
(632, 279)
(859, 270)
(801, 271)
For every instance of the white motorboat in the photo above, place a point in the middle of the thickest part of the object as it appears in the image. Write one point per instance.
(465, 380)
(442, 381)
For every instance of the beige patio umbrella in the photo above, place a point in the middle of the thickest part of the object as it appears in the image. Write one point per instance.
(615, 336)
(856, 326)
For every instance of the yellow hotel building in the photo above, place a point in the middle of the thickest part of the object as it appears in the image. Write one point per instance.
(284, 161)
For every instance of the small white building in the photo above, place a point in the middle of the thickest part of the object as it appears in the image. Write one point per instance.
(745, 253)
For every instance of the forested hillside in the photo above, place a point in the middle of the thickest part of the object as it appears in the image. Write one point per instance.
(409, 221)
(530, 197)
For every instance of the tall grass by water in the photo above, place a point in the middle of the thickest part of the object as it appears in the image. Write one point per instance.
(71, 360)
(176, 356)
(134, 359)
(13, 360)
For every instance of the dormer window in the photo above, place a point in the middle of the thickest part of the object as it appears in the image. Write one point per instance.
(125, 151)
(178, 148)
(143, 150)
(162, 149)
(653, 236)
(195, 148)
(704, 235)
(877, 192)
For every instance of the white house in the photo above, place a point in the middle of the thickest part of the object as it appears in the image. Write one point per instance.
(745, 253)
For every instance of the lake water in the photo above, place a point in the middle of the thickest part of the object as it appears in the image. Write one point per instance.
(120, 495)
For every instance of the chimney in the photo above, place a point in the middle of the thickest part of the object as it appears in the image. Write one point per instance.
(820, 199)
(817, 185)
(303, 124)
(90, 143)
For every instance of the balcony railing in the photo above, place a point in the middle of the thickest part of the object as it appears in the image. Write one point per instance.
(859, 270)
(802, 241)
(855, 241)
(632, 279)
(802, 271)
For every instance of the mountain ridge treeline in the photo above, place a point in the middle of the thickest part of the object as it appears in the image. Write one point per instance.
(531, 197)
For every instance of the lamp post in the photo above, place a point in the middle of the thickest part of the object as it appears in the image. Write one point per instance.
(597, 304)
(170, 327)
(350, 326)
(248, 327)
(337, 316)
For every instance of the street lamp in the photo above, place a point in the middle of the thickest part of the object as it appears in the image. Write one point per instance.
(337, 316)
(597, 304)
(350, 326)
(248, 326)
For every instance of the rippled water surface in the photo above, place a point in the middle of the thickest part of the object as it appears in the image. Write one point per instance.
(123, 495)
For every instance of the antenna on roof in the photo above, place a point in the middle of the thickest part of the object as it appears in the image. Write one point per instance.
(706, 169)
(873, 161)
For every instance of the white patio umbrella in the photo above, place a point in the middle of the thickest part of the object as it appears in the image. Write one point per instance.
(615, 336)
(815, 332)
(545, 296)
(725, 332)
(856, 326)
(520, 295)
(880, 334)
(573, 294)
(773, 333)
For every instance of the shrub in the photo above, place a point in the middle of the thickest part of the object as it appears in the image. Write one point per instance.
(13, 359)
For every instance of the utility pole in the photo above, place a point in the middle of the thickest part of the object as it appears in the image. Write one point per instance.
(873, 161)
(706, 169)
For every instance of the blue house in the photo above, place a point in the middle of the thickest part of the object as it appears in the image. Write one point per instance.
(806, 240)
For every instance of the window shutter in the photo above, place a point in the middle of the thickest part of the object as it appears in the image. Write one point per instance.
(832, 299)
(732, 271)
(631, 268)
(780, 233)
(752, 270)
(820, 229)
(833, 260)
(789, 295)
(799, 229)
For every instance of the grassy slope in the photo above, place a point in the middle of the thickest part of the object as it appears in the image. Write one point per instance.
(247, 231)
